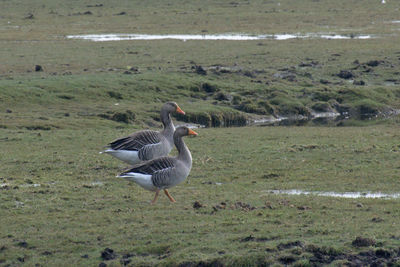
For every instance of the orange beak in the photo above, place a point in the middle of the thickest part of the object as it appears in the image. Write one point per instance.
(191, 132)
(179, 110)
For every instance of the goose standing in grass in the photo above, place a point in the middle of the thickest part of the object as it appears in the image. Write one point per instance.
(147, 144)
(165, 172)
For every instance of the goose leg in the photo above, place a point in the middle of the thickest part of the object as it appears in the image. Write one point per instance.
(155, 197)
(169, 196)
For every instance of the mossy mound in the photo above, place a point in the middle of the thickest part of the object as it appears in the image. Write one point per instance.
(124, 117)
(215, 118)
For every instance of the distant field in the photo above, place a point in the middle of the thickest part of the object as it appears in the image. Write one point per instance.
(263, 77)
(62, 100)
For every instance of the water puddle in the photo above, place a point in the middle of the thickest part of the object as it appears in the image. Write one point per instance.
(229, 37)
(30, 185)
(6, 185)
(192, 125)
(336, 194)
(97, 183)
(317, 117)
(19, 204)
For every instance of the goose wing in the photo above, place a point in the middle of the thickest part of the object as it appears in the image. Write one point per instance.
(136, 141)
(161, 170)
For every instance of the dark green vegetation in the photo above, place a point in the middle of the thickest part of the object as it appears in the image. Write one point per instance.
(263, 77)
(62, 100)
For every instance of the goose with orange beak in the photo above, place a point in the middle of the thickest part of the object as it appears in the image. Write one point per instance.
(165, 172)
(146, 145)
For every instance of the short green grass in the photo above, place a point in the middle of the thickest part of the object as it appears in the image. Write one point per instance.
(60, 203)
(80, 208)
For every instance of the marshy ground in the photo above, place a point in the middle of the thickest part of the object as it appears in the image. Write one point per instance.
(62, 100)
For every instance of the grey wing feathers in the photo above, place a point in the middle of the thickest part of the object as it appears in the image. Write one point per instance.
(160, 169)
(153, 166)
(136, 141)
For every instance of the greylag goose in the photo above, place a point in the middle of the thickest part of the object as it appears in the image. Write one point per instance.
(147, 144)
(165, 172)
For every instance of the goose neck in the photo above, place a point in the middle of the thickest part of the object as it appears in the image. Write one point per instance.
(183, 151)
(167, 123)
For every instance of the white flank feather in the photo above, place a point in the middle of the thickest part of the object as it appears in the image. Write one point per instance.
(128, 156)
(144, 180)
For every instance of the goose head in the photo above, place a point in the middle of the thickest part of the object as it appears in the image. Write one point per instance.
(171, 107)
(184, 131)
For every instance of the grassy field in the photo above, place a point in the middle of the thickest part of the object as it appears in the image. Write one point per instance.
(60, 203)
(80, 208)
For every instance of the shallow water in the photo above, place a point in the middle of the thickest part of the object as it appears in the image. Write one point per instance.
(30, 185)
(282, 120)
(191, 125)
(336, 194)
(97, 183)
(230, 37)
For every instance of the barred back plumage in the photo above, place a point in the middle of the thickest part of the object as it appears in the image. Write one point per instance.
(137, 140)
(146, 145)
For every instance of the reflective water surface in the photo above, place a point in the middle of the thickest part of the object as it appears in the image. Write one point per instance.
(336, 194)
(230, 37)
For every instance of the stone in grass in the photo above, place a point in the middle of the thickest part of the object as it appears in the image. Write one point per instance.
(23, 244)
(38, 68)
(345, 74)
(197, 205)
(287, 259)
(125, 262)
(199, 70)
(108, 254)
(373, 63)
(360, 82)
(29, 16)
(363, 242)
(115, 95)
(382, 253)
